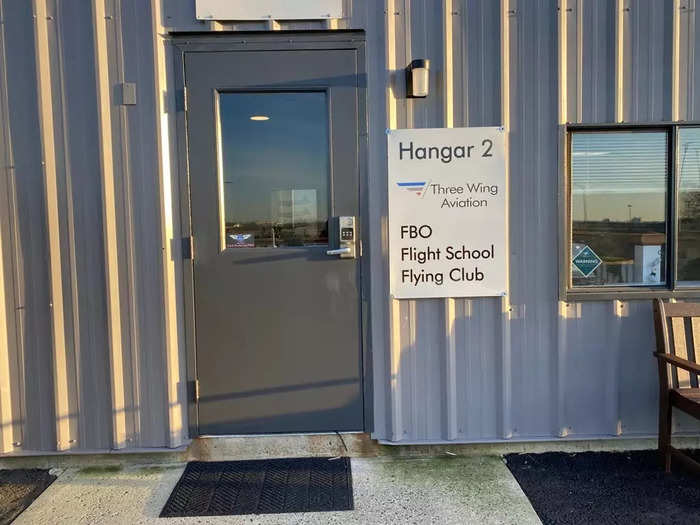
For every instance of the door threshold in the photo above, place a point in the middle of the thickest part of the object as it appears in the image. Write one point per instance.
(329, 433)
(266, 446)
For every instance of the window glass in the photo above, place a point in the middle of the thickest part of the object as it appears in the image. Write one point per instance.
(618, 209)
(275, 164)
(689, 205)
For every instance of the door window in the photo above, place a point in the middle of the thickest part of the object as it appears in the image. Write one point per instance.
(274, 166)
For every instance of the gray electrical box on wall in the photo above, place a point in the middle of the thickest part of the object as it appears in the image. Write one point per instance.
(128, 90)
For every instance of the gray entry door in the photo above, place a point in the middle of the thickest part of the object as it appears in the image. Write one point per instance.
(273, 155)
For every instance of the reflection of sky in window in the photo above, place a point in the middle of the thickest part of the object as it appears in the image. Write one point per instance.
(689, 204)
(689, 159)
(619, 175)
(263, 158)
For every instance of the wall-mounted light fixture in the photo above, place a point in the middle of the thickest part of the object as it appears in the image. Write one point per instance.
(417, 79)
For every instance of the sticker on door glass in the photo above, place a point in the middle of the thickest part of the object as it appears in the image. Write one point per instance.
(240, 240)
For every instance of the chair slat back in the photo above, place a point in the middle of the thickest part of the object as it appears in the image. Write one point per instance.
(681, 309)
(677, 333)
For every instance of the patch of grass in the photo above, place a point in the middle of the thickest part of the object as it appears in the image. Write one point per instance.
(104, 469)
(155, 469)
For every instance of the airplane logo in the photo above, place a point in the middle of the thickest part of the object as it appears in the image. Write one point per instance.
(241, 240)
(413, 187)
(240, 237)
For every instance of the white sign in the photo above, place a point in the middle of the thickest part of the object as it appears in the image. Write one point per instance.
(268, 9)
(447, 212)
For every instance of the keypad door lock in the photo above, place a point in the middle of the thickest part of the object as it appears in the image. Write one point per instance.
(343, 237)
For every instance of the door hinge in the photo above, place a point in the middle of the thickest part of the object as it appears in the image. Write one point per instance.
(188, 247)
(195, 390)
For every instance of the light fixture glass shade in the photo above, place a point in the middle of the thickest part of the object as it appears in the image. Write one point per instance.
(420, 82)
(418, 78)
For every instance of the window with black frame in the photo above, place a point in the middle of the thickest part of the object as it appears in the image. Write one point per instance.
(634, 209)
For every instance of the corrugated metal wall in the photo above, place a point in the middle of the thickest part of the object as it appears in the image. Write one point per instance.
(86, 360)
(93, 352)
(531, 367)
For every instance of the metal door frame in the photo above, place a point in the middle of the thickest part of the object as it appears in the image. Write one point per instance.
(182, 43)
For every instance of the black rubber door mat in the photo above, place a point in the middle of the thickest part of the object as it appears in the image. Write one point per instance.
(18, 488)
(268, 486)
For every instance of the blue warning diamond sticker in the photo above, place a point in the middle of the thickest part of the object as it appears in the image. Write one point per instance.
(586, 261)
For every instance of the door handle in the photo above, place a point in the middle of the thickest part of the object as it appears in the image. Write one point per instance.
(342, 234)
(339, 251)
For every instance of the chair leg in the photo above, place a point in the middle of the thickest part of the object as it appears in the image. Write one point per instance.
(665, 420)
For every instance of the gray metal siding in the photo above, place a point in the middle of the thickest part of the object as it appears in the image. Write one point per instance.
(80, 372)
(31, 293)
(530, 367)
(80, 143)
(596, 83)
(647, 61)
(477, 102)
(689, 67)
(141, 229)
(477, 63)
(533, 208)
(544, 369)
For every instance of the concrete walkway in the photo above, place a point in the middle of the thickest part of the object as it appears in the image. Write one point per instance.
(444, 490)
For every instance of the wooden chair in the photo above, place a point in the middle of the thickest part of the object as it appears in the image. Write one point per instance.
(677, 327)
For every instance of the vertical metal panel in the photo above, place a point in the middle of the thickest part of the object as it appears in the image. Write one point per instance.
(477, 94)
(30, 250)
(124, 227)
(170, 232)
(396, 118)
(384, 312)
(692, 55)
(110, 224)
(507, 9)
(11, 383)
(646, 62)
(449, 362)
(477, 63)
(689, 72)
(633, 339)
(533, 161)
(595, 37)
(77, 103)
(146, 291)
(424, 327)
(570, 68)
(63, 364)
(422, 353)
(479, 370)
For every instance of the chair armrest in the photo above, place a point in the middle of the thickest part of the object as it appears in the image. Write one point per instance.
(679, 362)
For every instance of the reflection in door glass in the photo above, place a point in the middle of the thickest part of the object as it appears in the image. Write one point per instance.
(689, 205)
(275, 167)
